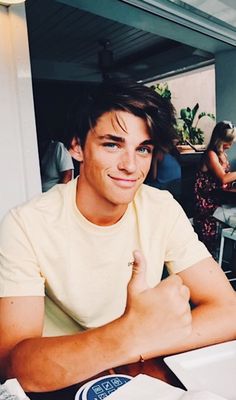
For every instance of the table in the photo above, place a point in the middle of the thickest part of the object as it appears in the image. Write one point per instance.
(154, 367)
(227, 196)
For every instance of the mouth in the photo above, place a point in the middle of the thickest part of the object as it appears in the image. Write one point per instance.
(124, 182)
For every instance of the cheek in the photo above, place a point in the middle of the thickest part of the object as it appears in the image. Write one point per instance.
(146, 165)
(95, 163)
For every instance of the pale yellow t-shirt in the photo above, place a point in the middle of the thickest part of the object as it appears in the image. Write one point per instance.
(47, 243)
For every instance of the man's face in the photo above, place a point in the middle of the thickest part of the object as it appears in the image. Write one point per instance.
(116, 158)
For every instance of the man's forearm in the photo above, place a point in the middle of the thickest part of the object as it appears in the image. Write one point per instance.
(44, 364)
(214, 317)
(210, 325)
(213, 324)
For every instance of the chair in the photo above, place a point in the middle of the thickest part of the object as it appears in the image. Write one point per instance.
(226, 233)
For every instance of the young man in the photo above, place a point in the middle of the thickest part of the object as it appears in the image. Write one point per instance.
(97, 247)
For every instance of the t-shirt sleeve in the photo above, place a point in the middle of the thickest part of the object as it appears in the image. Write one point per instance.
(19, 270)
(183, 249)
(64, 159)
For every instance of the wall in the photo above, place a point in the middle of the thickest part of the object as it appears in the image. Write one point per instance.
(19, 167)
(232, 157)
(196, 87)
(226, 93)
(226, 85)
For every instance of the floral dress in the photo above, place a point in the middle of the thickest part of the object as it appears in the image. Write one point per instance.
(206, 202)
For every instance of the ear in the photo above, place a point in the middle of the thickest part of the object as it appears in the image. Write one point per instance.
(80, 153)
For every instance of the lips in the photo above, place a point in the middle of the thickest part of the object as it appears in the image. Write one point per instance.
(123, 182)
(123, 179)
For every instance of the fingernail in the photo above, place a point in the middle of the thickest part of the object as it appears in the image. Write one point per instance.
(131, 263)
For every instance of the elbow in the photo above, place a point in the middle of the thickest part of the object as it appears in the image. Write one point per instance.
(6, 368)
(223, 179)
(16, 367)
(227, 178)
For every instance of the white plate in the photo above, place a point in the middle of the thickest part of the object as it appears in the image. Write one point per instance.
(211, 368)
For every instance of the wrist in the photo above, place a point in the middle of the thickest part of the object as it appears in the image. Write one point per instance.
(117, 340)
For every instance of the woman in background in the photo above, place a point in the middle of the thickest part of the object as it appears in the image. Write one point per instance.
(214, 173)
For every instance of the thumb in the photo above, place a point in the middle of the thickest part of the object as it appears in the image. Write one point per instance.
(138, 281)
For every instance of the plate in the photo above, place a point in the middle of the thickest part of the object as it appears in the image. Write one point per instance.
(211, 368)
(102, 387)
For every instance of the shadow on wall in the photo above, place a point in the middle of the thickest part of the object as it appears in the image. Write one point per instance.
(232, 156)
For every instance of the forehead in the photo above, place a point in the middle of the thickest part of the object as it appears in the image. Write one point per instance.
(123, 124)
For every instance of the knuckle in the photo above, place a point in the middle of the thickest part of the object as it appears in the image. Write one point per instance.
(185, 292)
(174, 279)
(177, 280)
(187, 321)
(184, 311)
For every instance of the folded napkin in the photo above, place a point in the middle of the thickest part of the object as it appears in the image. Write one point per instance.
(202, 395)
(145, 387)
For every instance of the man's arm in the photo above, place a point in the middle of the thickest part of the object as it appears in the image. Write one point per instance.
(214, 315)
(155, 319)
(66, 176)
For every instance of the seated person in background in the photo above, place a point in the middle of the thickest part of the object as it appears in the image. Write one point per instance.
(214, 173)
(97, 247)
(165, 172)
(56, 165)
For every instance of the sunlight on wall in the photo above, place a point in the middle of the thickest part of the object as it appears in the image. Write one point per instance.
(195, 87)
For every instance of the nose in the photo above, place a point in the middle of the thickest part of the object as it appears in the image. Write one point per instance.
(127, 162)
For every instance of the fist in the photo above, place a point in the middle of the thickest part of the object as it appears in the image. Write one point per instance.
(160, 317)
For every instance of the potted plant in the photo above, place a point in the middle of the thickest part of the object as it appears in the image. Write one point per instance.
(162, 89)
(187, 125)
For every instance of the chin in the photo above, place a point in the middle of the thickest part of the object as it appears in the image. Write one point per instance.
(123, 199)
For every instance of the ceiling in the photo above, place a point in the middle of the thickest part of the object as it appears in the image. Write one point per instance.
(145, 40)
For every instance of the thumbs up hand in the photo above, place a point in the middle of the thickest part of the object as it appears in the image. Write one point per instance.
(138, 281)
(157, 318)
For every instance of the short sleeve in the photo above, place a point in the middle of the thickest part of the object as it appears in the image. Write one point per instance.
(183, 248)
(19, 270)
(63, 157)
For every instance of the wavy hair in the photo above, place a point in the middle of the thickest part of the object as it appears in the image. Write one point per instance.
(223, 132)
(126, 95)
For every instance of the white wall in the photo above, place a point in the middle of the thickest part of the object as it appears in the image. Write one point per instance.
(193, 87)
(19, 166)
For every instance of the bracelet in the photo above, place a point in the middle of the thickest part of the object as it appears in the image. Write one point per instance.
(141, 359)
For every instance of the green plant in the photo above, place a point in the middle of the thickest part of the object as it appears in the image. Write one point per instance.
(188, 132)
(162, 89)
(187, 128)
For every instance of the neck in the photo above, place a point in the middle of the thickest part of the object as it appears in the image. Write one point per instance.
(99, 211)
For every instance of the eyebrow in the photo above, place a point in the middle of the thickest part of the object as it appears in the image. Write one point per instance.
(120, 139)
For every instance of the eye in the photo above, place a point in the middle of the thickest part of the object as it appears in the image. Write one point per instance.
(110, 145)
(145, 150)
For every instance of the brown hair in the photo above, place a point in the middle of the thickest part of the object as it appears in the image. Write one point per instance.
(132, 97)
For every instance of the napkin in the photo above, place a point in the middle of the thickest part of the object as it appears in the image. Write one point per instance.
(202, 395)
(145, 387)
(11, 389)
